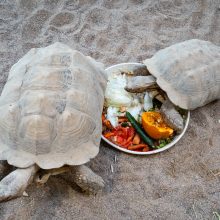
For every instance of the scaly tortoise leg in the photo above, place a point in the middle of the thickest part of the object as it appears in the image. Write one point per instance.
(83, 177)
(15, 183)
(171, 116)
(87, 180)
(43, 176)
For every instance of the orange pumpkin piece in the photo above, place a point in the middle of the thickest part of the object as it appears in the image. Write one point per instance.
(155, 126)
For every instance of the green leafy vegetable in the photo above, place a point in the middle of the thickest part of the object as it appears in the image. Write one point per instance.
(162, 143)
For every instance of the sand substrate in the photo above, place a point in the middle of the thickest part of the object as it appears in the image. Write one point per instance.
(181, 183)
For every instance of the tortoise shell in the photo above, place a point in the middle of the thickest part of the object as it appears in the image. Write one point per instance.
(50, 109)
(189, 72)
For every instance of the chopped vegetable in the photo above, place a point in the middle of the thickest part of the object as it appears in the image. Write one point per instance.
(136, 109)
(154, 125)
(146, 149)
(121, 135)
(109, 134)
(122, 109)
(151, 110)
(115, 94)
(162, 143)
(139, 130)
(136, 139)
(112, 115)
(106, 122)
(122, 119)
(148, 103)
(137, 147)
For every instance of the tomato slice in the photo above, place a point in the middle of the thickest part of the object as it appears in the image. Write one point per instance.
(122, 136)
(131, 132)
(119, 139)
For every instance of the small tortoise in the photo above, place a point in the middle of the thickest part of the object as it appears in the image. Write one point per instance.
(189, 73)
(50, 118)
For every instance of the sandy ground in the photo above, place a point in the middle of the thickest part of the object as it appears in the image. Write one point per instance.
(181, 183)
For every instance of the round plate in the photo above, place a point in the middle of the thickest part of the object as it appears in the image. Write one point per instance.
(129, 67)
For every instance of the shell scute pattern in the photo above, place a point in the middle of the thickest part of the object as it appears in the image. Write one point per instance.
(77, 99)
(57, 100)
(188, 72)
(72, 122)
(61, 59)
(47, 77)
(35, 134)
(44, 102)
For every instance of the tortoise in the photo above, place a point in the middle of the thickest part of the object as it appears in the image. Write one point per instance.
(50, 118)
(189, 74)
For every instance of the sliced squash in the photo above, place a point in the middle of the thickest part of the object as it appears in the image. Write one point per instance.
(155, 126)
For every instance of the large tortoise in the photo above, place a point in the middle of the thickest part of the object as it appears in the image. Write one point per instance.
(50, 118)
(189, 74)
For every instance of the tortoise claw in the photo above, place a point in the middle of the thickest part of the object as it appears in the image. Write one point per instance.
(87, 180)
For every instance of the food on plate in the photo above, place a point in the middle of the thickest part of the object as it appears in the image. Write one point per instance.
(115, 95)
(132, 120)
(155, 126)
(136, 139)
(139, 130)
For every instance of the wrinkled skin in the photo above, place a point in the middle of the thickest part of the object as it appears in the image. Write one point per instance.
(16, 182)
